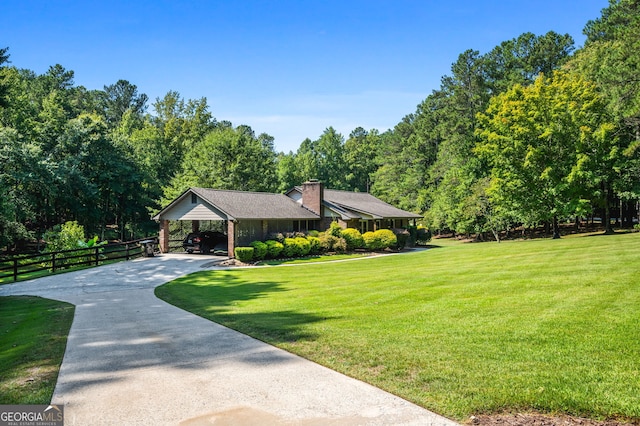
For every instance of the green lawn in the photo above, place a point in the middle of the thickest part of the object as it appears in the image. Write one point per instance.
(544, 325)
(34, 337)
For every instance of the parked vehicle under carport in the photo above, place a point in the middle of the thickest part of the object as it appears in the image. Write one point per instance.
(204, 242)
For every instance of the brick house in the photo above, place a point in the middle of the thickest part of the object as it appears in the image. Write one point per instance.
(251, 216)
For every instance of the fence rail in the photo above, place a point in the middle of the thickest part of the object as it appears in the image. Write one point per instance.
(20, 265)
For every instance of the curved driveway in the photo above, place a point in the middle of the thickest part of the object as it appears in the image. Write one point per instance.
(132, 359)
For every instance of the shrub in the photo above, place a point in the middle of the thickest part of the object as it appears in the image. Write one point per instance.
(413, 235)
(259, 250)
(371, 241)
(340, 245)
(304, 246)
(387, 238)
(274, 248)
(403, 236)
(335, 229)
(314, 244)
(244, 254)
(380, 239)
(423, 236)
(290, 248)
(353, 238)
(314, 233)
(68, 236)
(329, 242)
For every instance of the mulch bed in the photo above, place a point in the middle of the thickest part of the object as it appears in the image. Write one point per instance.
(533, 419)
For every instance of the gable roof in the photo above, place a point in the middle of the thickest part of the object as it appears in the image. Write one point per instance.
(218, 204)
(359, 205)
(363, 202)
(246, 205)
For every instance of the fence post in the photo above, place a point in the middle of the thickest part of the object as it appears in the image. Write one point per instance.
(97, 255)
(127, 247)
(15, 269)
(53, 262)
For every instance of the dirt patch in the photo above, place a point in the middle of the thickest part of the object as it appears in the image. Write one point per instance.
(532, 419)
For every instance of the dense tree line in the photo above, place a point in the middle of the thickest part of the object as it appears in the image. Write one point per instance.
(530, 133)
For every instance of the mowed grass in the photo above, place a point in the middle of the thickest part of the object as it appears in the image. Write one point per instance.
(33, 340)
(550, 326)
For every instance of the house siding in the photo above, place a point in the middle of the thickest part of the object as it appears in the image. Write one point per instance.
(248, 231)
(186, 210)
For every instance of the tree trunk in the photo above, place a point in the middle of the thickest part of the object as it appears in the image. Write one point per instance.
(607, 212)
(556, 228)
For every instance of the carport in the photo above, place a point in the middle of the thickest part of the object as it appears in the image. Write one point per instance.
(248, 216)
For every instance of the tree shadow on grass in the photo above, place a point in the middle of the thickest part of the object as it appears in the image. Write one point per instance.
(214, 296)
(271, 327)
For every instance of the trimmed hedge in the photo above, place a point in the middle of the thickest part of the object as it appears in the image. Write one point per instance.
(353, 238)
(304, 246)
(387, 238)
(260, 250)
(371, 241)
(296, 245)
(274, 248)
(244, 254)
(314, 244)
(380, 239)
(290, 249)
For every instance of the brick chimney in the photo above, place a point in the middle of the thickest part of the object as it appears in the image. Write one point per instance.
(312, 196)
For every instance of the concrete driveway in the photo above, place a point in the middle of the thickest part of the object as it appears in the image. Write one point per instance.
(132, 359)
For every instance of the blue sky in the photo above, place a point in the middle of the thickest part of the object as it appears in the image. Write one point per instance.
(287, 68)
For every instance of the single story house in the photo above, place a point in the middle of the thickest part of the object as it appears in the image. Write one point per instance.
(251, 216)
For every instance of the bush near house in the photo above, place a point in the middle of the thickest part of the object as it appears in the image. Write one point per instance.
(303, 246)
(387, 238)
(259, 250)
(371, 241)
(274, 248)
(244, 254)
(290, 248)
(403, 236)
(296, 244)
(314, 244)
(330, 242)
(353, 238)
(335, 229)
(380, 239)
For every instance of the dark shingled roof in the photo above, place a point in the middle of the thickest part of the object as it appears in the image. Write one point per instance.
(364, 202)
(254, 205)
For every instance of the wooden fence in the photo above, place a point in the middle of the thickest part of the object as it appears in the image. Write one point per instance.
(36, 264)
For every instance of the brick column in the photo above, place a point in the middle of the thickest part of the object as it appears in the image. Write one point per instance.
(164, 236)
(195, 226)
(231, 236)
